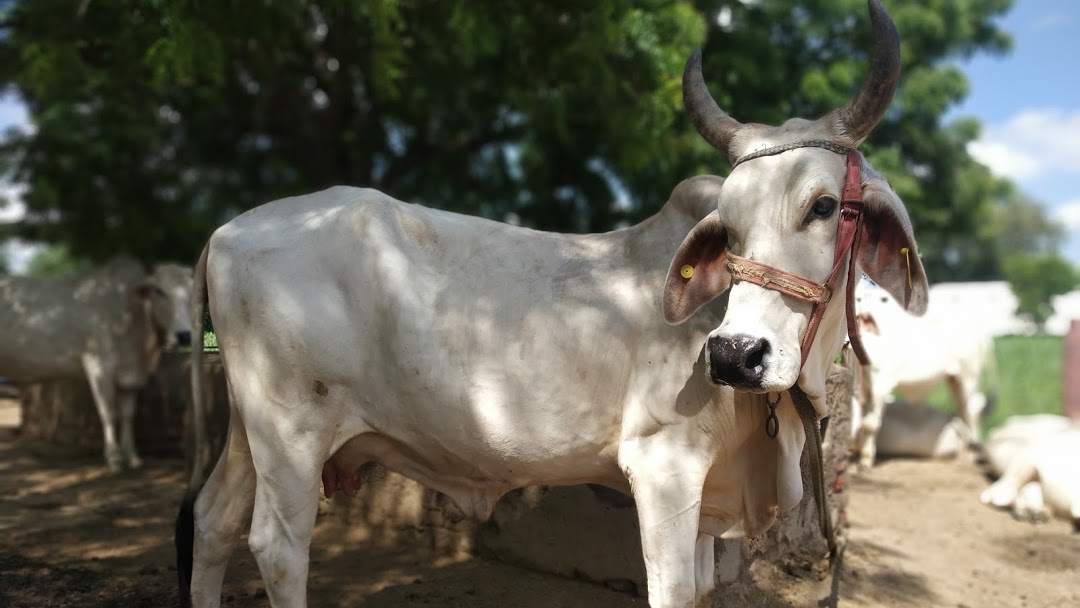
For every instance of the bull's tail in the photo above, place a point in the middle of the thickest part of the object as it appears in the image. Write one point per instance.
(198, 325)
(184, 540)
(185, 521)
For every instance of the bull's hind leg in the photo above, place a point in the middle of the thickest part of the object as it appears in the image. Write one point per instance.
(288, 463)
(970, 403)
(220, 513)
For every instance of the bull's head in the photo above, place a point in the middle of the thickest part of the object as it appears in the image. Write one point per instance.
(779, 209)
(874, 308)
(175, 282)
(165, 297)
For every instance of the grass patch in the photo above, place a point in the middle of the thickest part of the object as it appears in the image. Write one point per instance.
(1029, 373)
(210, 344)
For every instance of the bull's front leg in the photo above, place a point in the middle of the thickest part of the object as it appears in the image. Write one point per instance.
(100, 378)
(126, 399)
(666, 479)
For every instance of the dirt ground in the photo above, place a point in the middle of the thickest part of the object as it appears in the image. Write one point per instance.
(73, 535)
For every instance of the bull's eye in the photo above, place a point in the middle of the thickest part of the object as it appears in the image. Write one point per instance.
(823, 207)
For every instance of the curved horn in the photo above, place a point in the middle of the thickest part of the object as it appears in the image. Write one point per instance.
(874, 96)
(710, 121)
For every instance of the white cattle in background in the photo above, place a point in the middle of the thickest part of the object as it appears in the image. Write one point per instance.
(991, 306)
(107, 325)
(477, 357)
(1037, 463)
(916, 431)
(911, 356)
(175, 281)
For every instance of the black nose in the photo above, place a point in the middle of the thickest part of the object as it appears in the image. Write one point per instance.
(183, 338)
(738, 360)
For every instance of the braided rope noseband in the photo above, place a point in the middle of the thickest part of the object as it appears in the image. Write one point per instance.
(748, 270)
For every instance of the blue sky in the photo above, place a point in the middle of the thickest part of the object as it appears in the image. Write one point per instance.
(1027, 100)
(1029, 104)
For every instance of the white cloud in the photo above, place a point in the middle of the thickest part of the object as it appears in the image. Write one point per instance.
(19, 253)
(11, 204)
(1051, 20)
(1033, 143)
(13, 113)
(1068, 213)
(1002, 159)
(16, 252)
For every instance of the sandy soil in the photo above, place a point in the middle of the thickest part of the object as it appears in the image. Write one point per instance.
(920, 537)
(73, 535)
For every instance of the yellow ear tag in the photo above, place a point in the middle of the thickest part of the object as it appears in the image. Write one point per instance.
(686, 271)
(907, 258)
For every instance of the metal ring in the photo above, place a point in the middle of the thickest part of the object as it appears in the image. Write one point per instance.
(772, 425)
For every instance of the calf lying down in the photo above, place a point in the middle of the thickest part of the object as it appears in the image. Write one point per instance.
(1037, 459)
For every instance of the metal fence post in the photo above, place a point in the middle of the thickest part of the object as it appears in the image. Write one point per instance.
(1070, 371)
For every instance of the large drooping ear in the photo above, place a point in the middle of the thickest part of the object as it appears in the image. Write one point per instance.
(887, 251)
(697, 274)
(145, 289)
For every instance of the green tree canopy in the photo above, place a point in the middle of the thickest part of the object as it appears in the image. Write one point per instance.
(158, 120)
(53, 261)
(1035, 279)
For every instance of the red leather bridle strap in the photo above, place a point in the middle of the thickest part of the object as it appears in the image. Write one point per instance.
(847, 242)
(847, 245)
(819, 294)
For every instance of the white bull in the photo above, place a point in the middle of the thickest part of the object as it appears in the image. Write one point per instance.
(107, 325)
(477, 357)
(912, 356)
(1037, 461)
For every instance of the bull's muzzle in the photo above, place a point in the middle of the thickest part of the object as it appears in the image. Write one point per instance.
(183, 338)
(737, 360)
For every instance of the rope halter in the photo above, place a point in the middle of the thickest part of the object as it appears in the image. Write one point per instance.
(847, 239)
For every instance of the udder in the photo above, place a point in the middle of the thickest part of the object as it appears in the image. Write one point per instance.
(340, 473)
